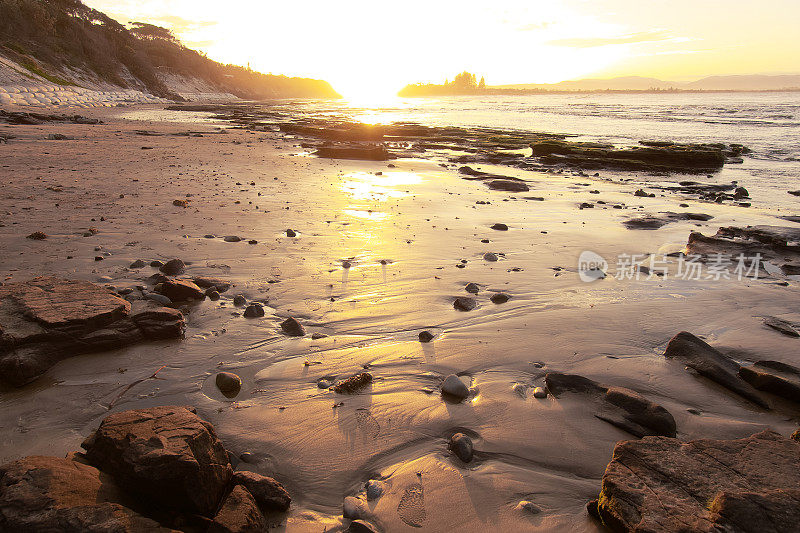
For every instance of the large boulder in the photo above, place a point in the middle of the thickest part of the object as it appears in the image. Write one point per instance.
(268, 493)
(166, 455)
(53, 494)
(712, 364)
(659, 484)
(620, 407)
(47, 319)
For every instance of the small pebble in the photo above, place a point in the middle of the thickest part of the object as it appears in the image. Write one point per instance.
(461, 446)
(454, 387)
(539, 392)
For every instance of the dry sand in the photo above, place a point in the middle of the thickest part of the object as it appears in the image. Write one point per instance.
(422, 220)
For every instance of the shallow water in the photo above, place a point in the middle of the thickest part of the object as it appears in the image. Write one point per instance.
(423, 221)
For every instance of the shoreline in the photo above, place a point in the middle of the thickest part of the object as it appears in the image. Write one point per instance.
(412, 231)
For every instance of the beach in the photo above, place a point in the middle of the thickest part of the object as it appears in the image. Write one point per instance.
(381, 251)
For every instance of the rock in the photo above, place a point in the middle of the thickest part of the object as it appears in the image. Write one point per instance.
(220, 285)
(160, 298)
(360, 526)
(774, 377)
(528, 507)
(461, 446)
(254, 310)
(228, 383)
(662, 485)
(363, 152)
(508, 185)
(232, 238)
(173, 267)
(268, 493)
(710, 363)
(641, 193)
(463, 303)
(775, 243)
(453, 387)
(500, 227)
(293, 328)
(620, 407)
(499, 298)
(374, 489)
(212, 295)
(782, 326)
(489, 256)
(180, 290)
(740, 192)
(644, 223)
(54, 494)
(317, 335)
(180, 203)
(794, 193)
(354, 508)
(238, 514)
(540, 392)
(796, 435)
(156, 263)
(353, 383)
(472, 288)
(138, 264)
(48, 319)
(239, 300)
(37, 236)
(425, 336)
(166, 455)
(291, 233)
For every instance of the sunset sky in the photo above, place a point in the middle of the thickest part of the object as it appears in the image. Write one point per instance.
(377, 47)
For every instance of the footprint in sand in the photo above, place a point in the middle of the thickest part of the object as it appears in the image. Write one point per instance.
(412, 506)
(367, 423)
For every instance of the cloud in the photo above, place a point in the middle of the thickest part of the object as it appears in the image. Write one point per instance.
(631, 38)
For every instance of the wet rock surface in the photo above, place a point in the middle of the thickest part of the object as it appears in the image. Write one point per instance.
(621, 407)
(48, 319)
(664, 485)
(712, 364)
(167, 455)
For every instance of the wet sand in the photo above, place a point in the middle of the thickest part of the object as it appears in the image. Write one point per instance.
(421, 220)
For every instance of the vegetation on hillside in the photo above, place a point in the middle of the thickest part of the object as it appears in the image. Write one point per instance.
(58, 38)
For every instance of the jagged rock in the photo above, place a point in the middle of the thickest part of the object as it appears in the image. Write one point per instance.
(268, 493)
(238, 514)
(173, 267)
(620, 407)
(461, 446)
(45, 320)
(453, 387)
(166, 455)
(353, 383)
(773, 377)
(782, 326)
(54, 494)
(710, 363)
(662, 485)
(180, 290)
(293, 328)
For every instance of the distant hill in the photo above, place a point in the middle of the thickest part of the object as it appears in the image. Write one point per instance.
(68, 43)
(627, 83)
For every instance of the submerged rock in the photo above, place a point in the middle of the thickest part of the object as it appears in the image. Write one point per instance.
(663, 485)
(620, 407)
(166, 455)
(453, 387)
(48, 319)
(461, 446)
(710, 363)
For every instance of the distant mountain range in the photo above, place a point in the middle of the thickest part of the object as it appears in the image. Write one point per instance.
(750, 82)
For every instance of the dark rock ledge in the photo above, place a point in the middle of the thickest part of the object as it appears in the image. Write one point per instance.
(47, 319)
(155, 469)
